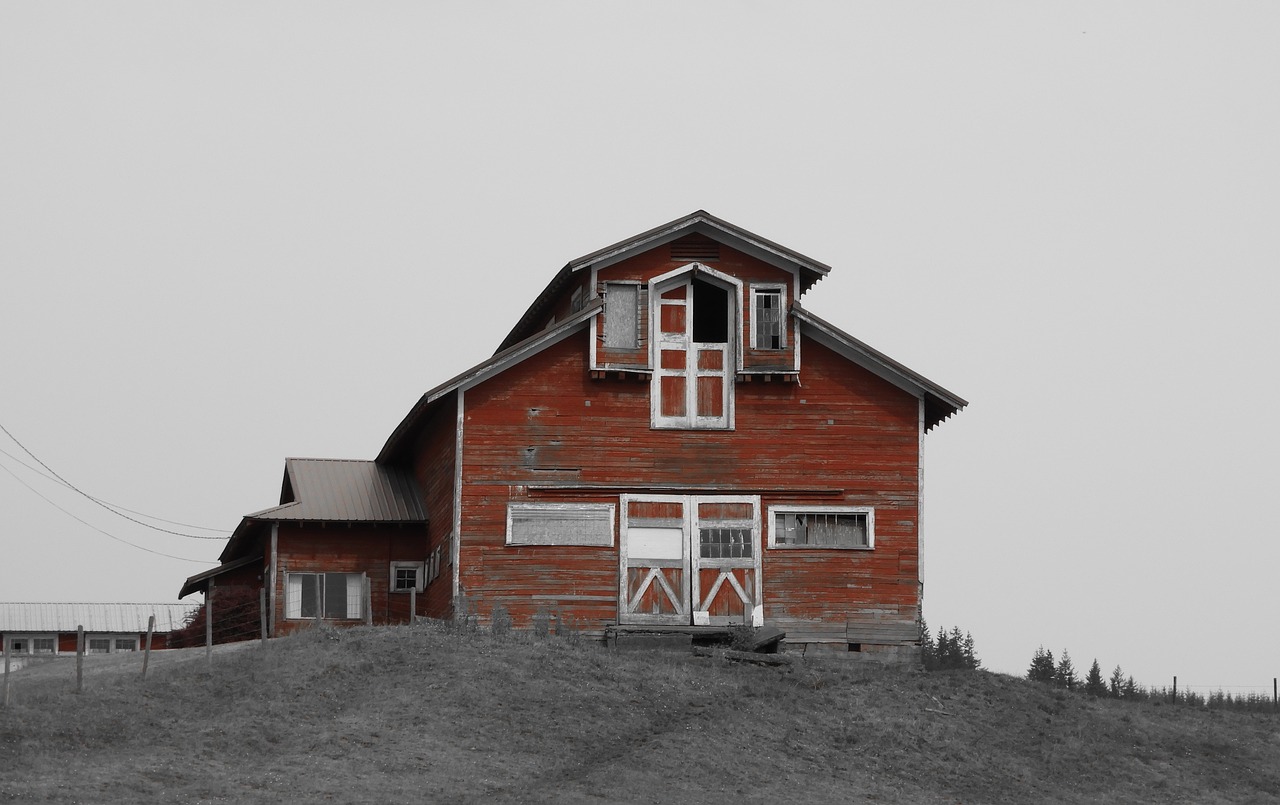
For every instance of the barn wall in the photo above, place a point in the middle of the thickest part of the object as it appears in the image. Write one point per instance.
(841, 436)
(337, 548)
(434, 471)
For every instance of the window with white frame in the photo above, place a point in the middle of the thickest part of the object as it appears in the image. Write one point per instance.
(98, 645)
(560, 524)
(768, 317)
(124, 644)
(406, 576)
(844, 527)
(31, 644)
(332, 596)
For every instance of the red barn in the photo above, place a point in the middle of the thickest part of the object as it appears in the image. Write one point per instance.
(666, 438)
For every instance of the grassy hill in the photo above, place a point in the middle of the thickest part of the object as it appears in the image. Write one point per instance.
(427, 714)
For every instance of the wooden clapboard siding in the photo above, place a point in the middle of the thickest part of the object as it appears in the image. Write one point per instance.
(843, 434)
(338, 548)
(433, 468)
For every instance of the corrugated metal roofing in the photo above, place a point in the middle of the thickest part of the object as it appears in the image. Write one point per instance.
(346, 491)
(122, 618)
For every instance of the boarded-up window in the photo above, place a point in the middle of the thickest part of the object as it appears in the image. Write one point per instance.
(821, 527)
(560, 524)
(621, 316)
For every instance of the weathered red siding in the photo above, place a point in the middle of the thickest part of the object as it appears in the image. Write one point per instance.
(840, 436)
(337, 548)
(434, 469)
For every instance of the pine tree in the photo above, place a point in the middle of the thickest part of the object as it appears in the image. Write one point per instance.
(1093, 684)
(1042, 666)
(968, 655)
(928, 651)
(1064, 674)
(1130, 689)
(1117, 683)
(955, 659)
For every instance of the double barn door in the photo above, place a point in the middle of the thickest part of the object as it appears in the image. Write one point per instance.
(690, 560)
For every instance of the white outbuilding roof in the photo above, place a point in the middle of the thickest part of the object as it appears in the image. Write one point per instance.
(121, 618)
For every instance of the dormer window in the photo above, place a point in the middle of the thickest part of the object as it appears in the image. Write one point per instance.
(695, 317)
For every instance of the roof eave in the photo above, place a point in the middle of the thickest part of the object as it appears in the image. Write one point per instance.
(940, 403)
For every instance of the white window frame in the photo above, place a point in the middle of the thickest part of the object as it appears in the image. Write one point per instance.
(90, 639)
(611, 308)
(117, 639)
(774, 511)
(30, 638)
(419, 576)
(293, 600)
(606, 512)
(771, 288)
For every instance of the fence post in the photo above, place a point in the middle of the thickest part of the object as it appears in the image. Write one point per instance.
(1175, 689)
(208, 626)
(6, 672)
(367, 589)
(413, 605)
(262, 613)
(79, 659)
(1275, 694)
(146, 655)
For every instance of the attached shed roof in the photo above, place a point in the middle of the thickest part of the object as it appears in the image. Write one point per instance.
(200, 581)
(120, 618)
(347, 491)
(700, 222)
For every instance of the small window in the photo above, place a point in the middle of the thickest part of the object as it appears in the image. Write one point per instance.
(333, 596)
(99, 645)
(768, 320)
(43, 645)
(20, 645)
(126, 644)
(406, 576)
(621, 315)
(560, 524)
(844, 527)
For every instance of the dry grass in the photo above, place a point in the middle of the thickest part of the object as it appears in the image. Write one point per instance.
(433, 715)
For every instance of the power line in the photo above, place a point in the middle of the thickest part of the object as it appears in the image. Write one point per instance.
(94, 527)
(75, 488)
(116, 505)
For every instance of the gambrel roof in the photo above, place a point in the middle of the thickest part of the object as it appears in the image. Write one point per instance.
(700, 222)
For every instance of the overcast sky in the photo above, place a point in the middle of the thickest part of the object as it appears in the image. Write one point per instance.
(236, 232)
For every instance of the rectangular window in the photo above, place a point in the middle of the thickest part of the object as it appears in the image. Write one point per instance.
(29, 644)
(844, 527)
(19, 645)
(126, 644)
(560, 524)
(334, 596)
(43, 645)
(768, 318)
(99, 645)
(621, 316)
(406, 576)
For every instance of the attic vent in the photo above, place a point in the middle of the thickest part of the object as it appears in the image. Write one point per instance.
(694, 247)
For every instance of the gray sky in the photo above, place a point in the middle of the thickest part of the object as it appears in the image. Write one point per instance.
(236, 232)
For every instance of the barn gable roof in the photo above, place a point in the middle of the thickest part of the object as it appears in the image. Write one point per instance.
(699, 222)
(939, 403)
(483, 371)
(347, 491)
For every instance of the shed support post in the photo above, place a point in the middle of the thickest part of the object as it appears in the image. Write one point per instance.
(367, 589)
(208, 626)
(262, 614)
(413, 606)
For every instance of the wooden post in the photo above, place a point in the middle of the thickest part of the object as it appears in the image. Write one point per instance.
(319, 599)
(413, 605)
(367, 589)
(1175, 690)
(1275, 694)
(6, 671)
(146, 655)
(208, 626)
(262, 613)
(79, 659)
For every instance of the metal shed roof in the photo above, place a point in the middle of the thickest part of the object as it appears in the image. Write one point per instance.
(64, 617)
(346, 491)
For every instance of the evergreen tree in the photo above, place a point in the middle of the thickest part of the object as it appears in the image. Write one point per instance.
(1064, 674)
(955, 659)
(968, 655)
(1093, 684)
(928, 651)
(1130, 689)
(1117, 683)
(1042, 666)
